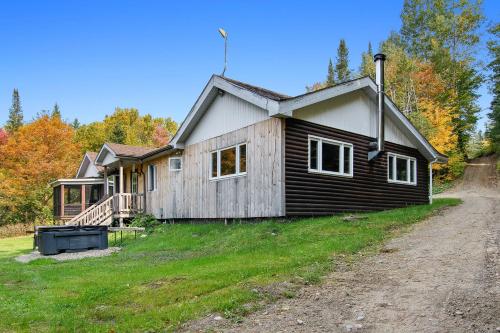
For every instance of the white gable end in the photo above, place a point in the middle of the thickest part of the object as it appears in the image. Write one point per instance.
(354, 112)
(227, 113)
(91, 172)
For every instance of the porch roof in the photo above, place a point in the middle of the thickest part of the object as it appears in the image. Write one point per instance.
(77, 181)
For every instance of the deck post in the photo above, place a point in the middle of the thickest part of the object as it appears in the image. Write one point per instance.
(83, 197)
(144, 205)
(120, 198)
(106, 187)
(62, 200)
(121, 177)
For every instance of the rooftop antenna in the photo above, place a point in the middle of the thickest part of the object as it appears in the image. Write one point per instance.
(223, 33)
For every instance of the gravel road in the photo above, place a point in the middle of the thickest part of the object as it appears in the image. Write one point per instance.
(443, 276)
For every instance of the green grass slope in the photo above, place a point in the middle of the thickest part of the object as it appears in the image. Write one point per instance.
(182, 272)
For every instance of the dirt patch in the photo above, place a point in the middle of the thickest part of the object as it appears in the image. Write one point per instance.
(443, 276)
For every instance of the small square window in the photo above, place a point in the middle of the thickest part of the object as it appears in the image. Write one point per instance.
(175, 164)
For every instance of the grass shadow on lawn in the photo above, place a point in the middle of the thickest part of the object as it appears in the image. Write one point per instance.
(184, 271)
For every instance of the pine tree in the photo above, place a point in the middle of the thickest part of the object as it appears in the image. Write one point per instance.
(76, 124)
(15, 114)
(342, 66)
(56, 112)
(118, 134)
(330, 78)
(367, 67)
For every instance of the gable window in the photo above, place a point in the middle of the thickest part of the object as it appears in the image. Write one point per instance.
(330, 157)
(401, 169)
(174, 164)
(228, 162)
(133, 182)
(152, 181)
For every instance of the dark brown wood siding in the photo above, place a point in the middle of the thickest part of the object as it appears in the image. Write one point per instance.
(316, 194)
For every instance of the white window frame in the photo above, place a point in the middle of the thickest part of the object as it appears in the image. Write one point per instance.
(155, 178)
(170, 165)
(238, 162)
(111, 183)
(319, 157)
(394, 171)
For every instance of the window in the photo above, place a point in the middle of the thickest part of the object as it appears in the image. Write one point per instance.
(133, 182)
(228, 162)
(92, 194)
(174, 164)
(401, 169)
(72, 195)
(330, 157)
(111, 185)
(152, 182)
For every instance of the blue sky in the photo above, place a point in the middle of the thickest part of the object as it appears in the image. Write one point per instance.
(92, 56)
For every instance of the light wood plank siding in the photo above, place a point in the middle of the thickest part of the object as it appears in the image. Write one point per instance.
(190, 193)
(226, 113)
(317, 194)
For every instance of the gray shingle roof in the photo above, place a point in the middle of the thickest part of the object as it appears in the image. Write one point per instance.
(129, 151)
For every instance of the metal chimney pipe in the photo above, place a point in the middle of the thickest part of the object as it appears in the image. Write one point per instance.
(379, 59)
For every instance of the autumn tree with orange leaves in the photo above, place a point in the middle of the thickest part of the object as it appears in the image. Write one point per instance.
(38, 153)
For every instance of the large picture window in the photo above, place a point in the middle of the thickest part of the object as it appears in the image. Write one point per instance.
(401, 169)
(228, 162)
(330, 157)
(152, 182)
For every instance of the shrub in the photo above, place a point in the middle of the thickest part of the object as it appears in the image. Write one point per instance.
(147, 221)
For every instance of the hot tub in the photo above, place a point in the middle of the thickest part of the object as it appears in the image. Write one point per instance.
(57, 239)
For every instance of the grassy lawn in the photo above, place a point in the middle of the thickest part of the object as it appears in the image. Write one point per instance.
(182, 271)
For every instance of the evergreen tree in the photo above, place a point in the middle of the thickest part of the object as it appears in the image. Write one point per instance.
(342, 66)
(118, 134)
(56, 112)
(76, 124)
(15, 114)
(330, 78)
(367, 67)
(494, 116)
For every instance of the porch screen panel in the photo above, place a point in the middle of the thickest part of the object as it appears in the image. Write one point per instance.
(72, 199)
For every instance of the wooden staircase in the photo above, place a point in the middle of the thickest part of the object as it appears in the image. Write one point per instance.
(119, 205)
(101, 213)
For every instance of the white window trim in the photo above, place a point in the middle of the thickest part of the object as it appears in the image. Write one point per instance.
(174, 158)
(319, 157)
(218, 151)
(155, 178)
(394, 171)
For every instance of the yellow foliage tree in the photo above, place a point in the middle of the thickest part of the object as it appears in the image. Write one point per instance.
(439, 115)
(35, 155)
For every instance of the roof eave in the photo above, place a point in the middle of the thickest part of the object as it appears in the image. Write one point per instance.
(209, 93)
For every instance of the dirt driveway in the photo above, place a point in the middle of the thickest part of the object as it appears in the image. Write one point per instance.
(443, 276)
